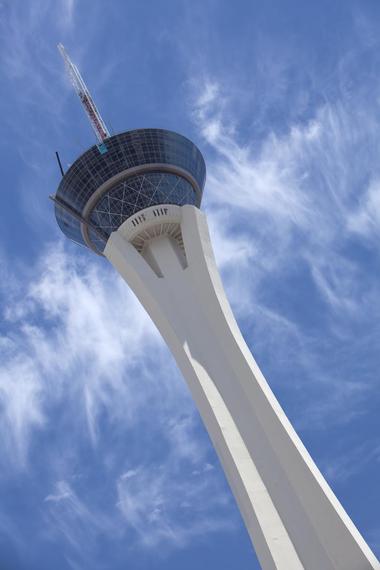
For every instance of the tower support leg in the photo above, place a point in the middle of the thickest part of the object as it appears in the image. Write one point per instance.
(291, 514)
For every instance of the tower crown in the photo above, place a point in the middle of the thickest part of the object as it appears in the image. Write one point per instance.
(127, 173)
(122, 175)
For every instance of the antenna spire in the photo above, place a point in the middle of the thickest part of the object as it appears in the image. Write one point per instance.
(83, 93)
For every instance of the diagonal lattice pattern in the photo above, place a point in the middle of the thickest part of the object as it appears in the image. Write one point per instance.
(134, 194)
(125, 151)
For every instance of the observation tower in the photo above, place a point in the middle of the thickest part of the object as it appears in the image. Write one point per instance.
(134, 198)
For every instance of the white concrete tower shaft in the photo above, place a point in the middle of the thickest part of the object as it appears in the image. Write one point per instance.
(292, 516)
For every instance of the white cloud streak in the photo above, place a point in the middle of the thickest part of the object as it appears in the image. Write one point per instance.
(79, 346)
(163, 506)
(68, 321)
(296, 200)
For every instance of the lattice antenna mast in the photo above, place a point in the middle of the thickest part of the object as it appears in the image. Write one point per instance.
(88, 104)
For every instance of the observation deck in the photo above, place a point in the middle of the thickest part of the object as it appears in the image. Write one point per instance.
(129, 172)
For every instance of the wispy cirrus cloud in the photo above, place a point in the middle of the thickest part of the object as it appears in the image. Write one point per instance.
(20, 54)
(348, 465)
(66, 320)
(163, 507)
(80, 356)
(296, 205)
(365, 218)
(169, 510)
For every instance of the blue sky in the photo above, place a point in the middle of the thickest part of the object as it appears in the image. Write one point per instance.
(104, 460)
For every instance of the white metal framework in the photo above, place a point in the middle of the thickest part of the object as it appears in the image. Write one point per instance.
(83, 93)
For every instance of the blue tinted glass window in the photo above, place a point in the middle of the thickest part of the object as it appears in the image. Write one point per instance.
(137, 193)
(126, 150)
